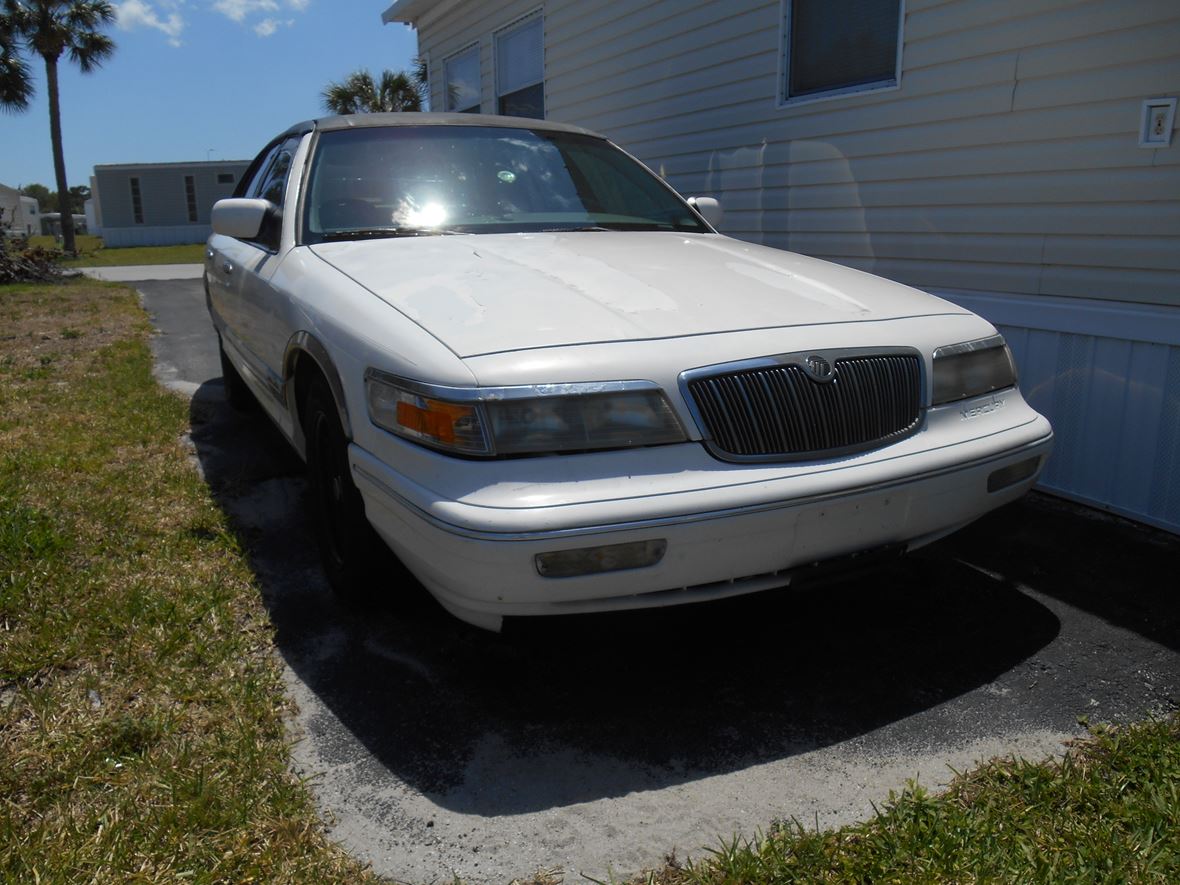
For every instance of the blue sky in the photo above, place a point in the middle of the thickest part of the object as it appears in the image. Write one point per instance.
(193, 79)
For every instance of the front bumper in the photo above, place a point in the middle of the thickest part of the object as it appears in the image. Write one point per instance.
(740, 537)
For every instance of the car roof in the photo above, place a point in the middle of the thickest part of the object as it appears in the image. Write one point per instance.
(419, 118)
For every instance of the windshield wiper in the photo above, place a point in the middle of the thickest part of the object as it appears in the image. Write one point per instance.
(613, 226)
(372, 233)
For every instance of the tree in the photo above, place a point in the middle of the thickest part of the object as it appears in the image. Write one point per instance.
(49, 202)
(360, 94)
(45, 198)
(51, 29)
(79, 194)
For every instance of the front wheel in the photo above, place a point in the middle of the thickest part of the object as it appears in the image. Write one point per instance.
(354, 556)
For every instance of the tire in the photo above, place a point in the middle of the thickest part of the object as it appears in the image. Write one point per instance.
(356, 560)
(237, 394)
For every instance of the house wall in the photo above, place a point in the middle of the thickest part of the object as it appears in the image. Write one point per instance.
(31, 212)
(454, 34)
(164, 200)
(12, 215)
(1004, 173)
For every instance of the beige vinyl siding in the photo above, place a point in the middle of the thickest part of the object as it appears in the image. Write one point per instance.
(1008, 161)
(454, 34)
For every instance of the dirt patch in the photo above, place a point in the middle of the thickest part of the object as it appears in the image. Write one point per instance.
(42, 326)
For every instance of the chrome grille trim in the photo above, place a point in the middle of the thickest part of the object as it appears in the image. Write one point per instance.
(771, 409)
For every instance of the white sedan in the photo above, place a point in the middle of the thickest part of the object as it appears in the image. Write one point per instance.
(518, 358)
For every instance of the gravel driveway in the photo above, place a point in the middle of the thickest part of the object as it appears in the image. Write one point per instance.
(604, 743)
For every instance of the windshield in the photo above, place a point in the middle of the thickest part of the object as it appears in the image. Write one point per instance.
(415, 180)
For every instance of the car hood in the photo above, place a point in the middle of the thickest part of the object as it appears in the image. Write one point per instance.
(489, 293)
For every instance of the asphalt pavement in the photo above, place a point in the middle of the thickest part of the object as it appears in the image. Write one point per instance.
(604, 743)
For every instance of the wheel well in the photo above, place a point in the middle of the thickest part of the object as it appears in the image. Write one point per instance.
(304, 368)
(304, 371)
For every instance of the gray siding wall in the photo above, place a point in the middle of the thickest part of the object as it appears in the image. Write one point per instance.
(1004, 173)
(162, 190)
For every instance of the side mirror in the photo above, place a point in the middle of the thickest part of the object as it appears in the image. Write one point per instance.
(709, 208)
(241, 219)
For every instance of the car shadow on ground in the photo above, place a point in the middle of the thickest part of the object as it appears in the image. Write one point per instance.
(1120, 571)
(491, 725)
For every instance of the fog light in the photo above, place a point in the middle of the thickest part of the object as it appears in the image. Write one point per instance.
(593, 560)
(1012, 474)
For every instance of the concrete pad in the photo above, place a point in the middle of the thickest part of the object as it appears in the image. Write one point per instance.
(134, 274)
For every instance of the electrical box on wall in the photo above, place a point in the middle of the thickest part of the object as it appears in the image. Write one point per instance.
(1155, 126)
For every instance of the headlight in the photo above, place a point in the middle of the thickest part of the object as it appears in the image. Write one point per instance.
(971, 369)
(456, 427)
(523, 420)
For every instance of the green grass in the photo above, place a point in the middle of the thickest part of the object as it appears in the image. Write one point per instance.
(141, 705)
(92, 253)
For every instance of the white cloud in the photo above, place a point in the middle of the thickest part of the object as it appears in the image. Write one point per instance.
(140, 14)
(268, 26)
(241, 10)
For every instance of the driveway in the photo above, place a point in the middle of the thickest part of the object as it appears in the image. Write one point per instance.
(604, 743)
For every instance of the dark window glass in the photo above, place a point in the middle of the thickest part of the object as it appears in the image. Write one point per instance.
(461, 75)
(412, 180)
(527, 102)
(837, 44)
(136, 202)
(520, 70)
(258, 173)
(225, 178)
(190, 196)
(277, 179)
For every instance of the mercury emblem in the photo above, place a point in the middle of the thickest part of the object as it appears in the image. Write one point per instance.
(819, 368)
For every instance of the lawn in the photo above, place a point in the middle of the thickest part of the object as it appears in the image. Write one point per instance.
(142, 706)
(92, 253)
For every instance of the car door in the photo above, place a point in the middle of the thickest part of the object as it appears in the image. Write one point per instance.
(244, 268)
(223, 255)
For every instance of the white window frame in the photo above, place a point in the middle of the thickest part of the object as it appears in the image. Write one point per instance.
(471, 47)
(784, 43)
(498, 34)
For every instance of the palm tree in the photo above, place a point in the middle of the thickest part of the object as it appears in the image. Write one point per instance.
(359, 94)
(51, 29)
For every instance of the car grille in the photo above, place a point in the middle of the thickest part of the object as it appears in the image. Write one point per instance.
(780, 411)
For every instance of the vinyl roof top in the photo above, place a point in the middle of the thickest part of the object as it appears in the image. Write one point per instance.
(416, 118)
